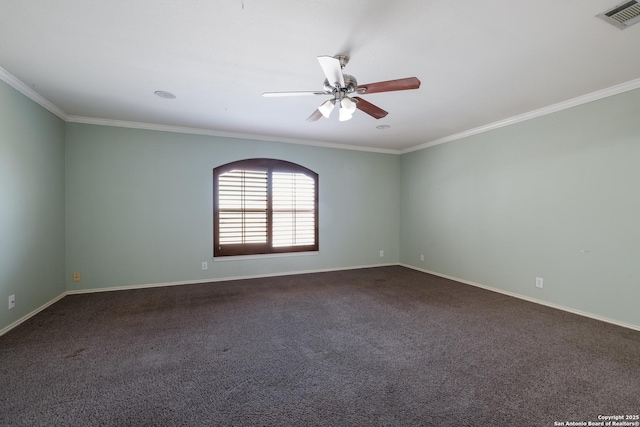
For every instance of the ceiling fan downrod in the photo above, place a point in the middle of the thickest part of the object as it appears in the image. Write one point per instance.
(344, 60)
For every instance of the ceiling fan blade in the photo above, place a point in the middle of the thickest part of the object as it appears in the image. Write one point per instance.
(369, 108)
(314, 116)
(295, 93)
(332, 70)
(389, 86)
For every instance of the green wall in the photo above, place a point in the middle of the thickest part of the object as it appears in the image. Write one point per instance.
(555, 197)
(139, 206)
(31, 205)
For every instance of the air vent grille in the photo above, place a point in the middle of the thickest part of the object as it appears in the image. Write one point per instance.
(623, 15)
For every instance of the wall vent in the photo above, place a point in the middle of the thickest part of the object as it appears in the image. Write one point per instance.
(622, 16)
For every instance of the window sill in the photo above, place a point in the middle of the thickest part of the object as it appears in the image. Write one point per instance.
(263, 256)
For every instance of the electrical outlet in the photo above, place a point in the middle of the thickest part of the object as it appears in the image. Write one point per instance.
(421, 257)
(539, 282)
(76, 277)
(381, 254)
(12, 301)
(205, 266)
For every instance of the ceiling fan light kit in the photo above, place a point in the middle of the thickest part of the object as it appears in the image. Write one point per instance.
(347, 108)
(327, 107)
(340, 86)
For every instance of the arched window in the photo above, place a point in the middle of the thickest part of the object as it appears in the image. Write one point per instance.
(263, 206)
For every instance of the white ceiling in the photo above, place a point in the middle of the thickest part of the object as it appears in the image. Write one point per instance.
(480, 61)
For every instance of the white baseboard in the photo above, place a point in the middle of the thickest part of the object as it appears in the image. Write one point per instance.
(526, 298)
(33, 313)
(220, 279)
(258, 276)
(184, 282)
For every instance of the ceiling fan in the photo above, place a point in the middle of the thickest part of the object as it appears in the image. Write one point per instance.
(340, 86)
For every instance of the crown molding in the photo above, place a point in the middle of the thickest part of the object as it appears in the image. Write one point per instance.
(223, 134)
(574, 102)
(13, 81)
(30, 93)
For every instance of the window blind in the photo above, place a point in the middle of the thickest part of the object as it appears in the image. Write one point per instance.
(264, 206)
(293, 209)
(243, 207)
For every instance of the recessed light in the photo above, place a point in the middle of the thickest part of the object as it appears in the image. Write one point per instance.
(383, 127)
(165, 94)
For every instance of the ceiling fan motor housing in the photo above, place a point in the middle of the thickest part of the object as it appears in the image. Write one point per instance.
(350, 84)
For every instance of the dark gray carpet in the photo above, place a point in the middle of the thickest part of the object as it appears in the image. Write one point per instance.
(381, 346)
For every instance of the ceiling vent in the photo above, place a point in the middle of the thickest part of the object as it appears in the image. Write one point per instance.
(623, 15)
